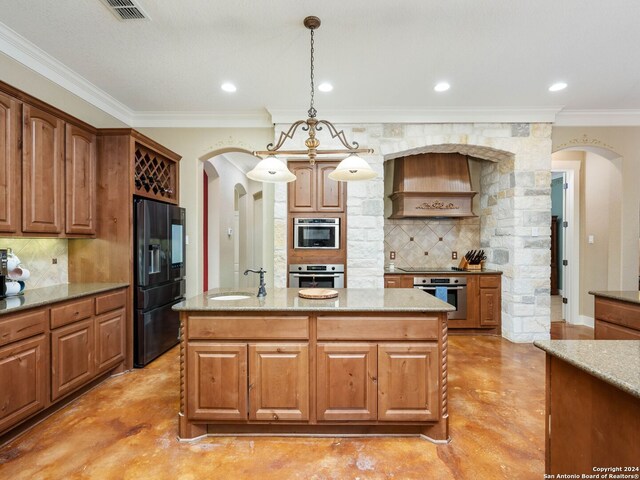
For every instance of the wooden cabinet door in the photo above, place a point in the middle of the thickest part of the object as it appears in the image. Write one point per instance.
(42, 172)
(302, 192)
(10, 185)
(72, 349)
(23, 380)
(347, 381)
(392, 281)
(110, 338)
(408, 382)
(80, 181)
(217, 381)
(329, 193)
(278, 381)
(489, 307)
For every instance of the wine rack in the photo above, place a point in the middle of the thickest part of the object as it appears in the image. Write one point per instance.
(155, 176)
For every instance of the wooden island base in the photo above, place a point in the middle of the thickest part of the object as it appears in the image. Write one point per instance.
(306, 372)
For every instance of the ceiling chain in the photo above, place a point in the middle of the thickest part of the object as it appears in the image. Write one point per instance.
(312, 111)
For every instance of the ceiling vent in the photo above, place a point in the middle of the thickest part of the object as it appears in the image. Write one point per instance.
(126, 9)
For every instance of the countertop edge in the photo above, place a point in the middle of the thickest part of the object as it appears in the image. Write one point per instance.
(628, 296)
(609, 378)
(84, 289)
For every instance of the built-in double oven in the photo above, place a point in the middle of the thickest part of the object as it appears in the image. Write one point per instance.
(316, 233)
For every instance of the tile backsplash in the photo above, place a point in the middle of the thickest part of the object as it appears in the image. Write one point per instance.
(37, 255)
(429, 242)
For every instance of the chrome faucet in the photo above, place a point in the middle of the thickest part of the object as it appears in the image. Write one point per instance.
(262, 291)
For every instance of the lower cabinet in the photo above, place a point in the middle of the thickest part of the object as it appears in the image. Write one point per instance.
(46, 353)
(347, 381)
(72, 350)
(385, 382)
(275, 386)
(490, 301)
(23, 380)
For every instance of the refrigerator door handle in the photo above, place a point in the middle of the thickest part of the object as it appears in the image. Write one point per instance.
(154, 258)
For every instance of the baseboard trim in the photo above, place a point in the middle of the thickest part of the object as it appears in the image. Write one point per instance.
(585, 320)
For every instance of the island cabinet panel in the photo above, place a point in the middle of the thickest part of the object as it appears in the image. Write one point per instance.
(110, 339)
(242, 327)
(23, 380)
(72, 350)
(278, 382)
(10, 191)
(616, 320)
(42, 172)
(80, 173)
(386, 327)
(217, 381)
(347, 381)
(408, 387)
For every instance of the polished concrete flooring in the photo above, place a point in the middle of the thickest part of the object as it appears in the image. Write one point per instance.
(126, 429)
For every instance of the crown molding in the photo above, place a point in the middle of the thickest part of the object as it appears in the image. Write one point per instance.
(430, 115)
(23, 51)
(598, 118)
(256, 119)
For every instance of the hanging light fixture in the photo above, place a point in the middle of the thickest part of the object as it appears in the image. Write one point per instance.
(273, 170)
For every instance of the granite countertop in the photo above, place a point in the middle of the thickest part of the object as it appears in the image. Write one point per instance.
(37, 297)
(616, 362)
(441, 272)
(632, 296)
(348, 299)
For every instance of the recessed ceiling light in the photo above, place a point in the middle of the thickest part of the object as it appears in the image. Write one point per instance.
(442, 87)
(556, 87)
(228, 87)
(325, 87)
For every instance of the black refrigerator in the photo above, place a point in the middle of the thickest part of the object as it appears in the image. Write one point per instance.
(159, 277)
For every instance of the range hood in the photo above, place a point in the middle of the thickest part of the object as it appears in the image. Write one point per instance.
(431, 185)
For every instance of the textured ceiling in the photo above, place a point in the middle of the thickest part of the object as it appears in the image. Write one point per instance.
(379, 55)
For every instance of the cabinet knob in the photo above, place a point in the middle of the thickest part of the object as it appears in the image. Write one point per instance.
(275, 416)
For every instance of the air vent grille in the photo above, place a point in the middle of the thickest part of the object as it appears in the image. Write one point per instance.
(126, 9)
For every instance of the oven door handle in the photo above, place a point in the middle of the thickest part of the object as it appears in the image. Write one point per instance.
(325, 275)
(422, 287)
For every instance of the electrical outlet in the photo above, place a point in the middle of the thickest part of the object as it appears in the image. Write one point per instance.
(392, 255)
(454, 255)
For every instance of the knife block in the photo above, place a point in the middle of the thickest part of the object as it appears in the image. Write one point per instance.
(463, 263)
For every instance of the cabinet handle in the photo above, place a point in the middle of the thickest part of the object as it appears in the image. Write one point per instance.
(275, 416)
(250, 386)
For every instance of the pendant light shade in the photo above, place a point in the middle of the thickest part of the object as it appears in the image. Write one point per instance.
(271, 170)
(351, 169)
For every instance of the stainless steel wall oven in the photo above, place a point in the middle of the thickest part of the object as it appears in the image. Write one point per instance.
(454, 287)
(316, 276)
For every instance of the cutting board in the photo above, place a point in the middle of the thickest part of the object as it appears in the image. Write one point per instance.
(317, 293)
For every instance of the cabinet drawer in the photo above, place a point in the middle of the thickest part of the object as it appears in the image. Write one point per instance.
(378, 328)
(110, 301)
(625, 314)
(17, 327)
(71, 312)
(610, 331)
(283, 328)
(489, 281)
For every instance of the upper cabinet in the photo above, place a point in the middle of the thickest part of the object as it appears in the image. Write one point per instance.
(10, 135)
(80, 182)
(42, 172)
(313, 190)
(47, 169)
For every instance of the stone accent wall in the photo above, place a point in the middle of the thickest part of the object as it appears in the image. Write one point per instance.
(514, 218)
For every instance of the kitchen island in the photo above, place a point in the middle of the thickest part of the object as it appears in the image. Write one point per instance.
(370, 361)
(592, 405)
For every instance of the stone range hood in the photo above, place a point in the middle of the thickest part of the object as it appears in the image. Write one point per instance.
(431, 185)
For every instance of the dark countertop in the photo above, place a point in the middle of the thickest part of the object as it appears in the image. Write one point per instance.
(631, 296)
(37, 297)
(348, 299)
(616, 362)
(441, 272)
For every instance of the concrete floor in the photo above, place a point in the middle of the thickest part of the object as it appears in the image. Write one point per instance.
(126, 429)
